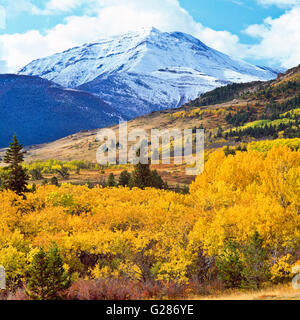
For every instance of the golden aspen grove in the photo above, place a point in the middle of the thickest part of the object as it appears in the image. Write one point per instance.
(159, 235)
(149, 157)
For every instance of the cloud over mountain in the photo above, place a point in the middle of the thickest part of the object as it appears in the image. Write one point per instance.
(279, 39)
(106, 18)
(276, 39)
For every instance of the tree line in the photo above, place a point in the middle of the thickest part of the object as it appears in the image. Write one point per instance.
(15, 177)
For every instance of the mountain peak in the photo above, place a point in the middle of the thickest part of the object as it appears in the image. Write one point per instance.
(145, 70)
(151, 30)
(143, 31)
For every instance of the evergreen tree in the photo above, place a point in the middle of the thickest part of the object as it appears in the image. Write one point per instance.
(156, 180)
(185, 189)
(15, 177)
(256, 269)
(38, 273)
(2, 178)
(177, 188)
(111, 180)
(47, 277)
(124, 178)
(141, 176)
(54, 181)
(230, 266)
(229, 151)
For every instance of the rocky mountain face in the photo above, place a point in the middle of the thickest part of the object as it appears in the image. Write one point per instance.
(140, 72)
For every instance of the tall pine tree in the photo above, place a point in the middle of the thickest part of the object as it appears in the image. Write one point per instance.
(47, 278)
(124, 178)
(256, 269)
(230, 266)
(15, 177)
(111, 180)
(141, 176)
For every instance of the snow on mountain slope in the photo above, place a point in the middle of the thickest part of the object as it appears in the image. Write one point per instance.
(39, 111)
(145, 70)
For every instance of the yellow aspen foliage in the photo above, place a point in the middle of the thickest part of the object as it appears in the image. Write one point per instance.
(157, 234)
(282, 269)
(260, 193)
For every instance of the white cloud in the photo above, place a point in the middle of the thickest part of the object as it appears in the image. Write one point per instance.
(279, 39)
(2, 18)
(279, 3)
(63, 5)
(50, 7)
(105, 18)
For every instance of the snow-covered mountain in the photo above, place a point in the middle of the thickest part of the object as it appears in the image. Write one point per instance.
(143, 71)
(39, 111)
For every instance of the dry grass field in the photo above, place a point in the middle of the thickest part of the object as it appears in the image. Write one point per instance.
(281, 292)
(172, 174)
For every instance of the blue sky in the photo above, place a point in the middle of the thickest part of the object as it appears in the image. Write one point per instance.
(259, 31)
(230, 15)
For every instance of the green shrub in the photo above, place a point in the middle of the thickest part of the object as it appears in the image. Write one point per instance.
(47, 278)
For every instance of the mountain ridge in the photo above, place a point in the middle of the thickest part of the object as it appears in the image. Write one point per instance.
(39, 111)
(144, 71)
(250, 100)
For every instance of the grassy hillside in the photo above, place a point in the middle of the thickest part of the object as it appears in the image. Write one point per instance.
(232, 116)
(281, 292)
(284, 85)
(229, 107)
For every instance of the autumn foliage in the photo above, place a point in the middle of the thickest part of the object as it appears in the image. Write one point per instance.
(158, 235)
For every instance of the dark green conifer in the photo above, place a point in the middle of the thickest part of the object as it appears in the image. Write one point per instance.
(124, 178)
(47, 278)
(111, 180)
(15, 177)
